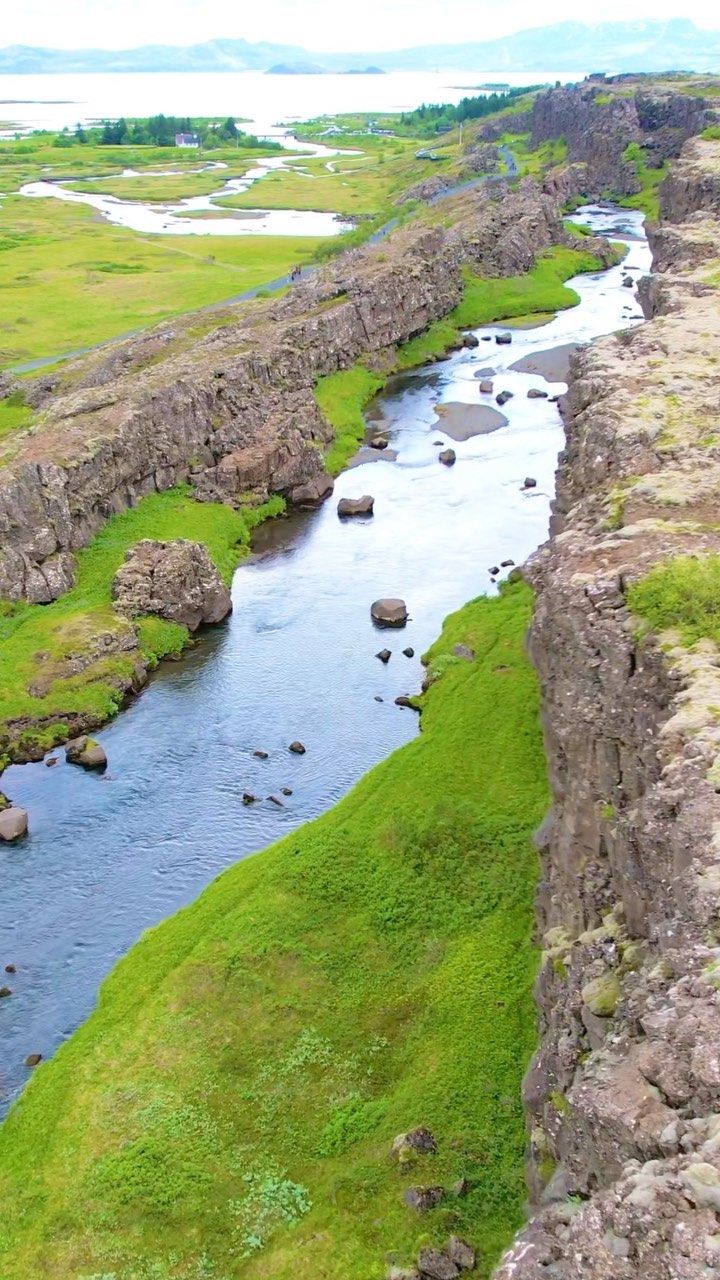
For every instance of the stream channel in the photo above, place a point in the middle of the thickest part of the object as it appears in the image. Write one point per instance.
(107, 857)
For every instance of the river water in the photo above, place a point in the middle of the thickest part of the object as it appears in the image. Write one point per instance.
(108, 857)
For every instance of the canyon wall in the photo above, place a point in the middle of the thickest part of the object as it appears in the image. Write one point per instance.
(233, 411)
(598, 121)
(623, 1094)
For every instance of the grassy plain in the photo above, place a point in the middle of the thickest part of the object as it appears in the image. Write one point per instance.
(69, 280)
(37, 642)
(228, 1110)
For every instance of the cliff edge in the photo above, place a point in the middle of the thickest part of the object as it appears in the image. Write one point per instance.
(623, 1094)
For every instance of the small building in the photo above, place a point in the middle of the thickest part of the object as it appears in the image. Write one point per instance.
(187, 140)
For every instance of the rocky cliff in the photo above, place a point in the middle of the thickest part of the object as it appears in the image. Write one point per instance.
(599, 120)
(623, 1094)
(233, 411)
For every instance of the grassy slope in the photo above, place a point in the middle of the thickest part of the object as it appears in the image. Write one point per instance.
(343, 396)
(229, 1108)
(68, 280)
(682, 593)
(37, 640)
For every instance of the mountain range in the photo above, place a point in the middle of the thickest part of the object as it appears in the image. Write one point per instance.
(566, 46)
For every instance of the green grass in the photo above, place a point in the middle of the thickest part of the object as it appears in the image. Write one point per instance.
(712, 133)
(228, 1110)
(682, 593)
(166, 187)
(648, 199)
(69, 281)
(14, 413)
(343, 396)
(535, 160)
(38, 641)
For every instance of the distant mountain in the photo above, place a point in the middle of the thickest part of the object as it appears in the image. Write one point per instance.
(567, 46)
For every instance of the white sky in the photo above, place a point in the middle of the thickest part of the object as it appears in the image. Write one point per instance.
(317, 24)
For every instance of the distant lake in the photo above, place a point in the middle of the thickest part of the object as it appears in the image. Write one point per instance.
(54, 101)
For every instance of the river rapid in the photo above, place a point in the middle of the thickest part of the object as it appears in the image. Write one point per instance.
(109, 856)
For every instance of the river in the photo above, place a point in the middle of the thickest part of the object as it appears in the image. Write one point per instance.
(108, 857)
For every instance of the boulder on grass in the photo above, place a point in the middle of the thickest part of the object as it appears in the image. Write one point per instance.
(86, 752)
(176, 580)
(389, 612)
(356, 506)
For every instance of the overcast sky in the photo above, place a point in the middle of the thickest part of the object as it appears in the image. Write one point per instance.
(316, 24)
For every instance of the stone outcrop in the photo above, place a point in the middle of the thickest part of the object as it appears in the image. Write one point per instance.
(175, 580)
(623, 1094)
(598, 120)
(389, 612)
(233, 412)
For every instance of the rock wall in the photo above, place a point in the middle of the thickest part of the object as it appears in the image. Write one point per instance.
(599, 120)
(234, 411)
(623, 1095)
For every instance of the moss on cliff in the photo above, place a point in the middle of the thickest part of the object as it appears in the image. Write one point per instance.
(343, 396)
(681, 593)
(229, 1108)
(648, 198)
(54, 659)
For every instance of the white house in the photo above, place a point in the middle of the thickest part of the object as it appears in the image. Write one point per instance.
(187, 140)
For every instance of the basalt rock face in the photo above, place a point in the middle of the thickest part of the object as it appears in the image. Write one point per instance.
(234, 412)
(623, 1095)
(175, 580)
(598, 126)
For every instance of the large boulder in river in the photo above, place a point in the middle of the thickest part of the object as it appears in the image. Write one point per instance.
(87, 753)
(13, 824)
(389, 612)
(175, 580)
(356, 506)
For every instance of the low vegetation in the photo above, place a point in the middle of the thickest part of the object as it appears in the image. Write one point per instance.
(648, 198)
(37, 642)
(68, 281)
(229, 1108)
(682, 594)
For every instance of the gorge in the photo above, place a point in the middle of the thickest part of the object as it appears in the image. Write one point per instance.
(218, 1087)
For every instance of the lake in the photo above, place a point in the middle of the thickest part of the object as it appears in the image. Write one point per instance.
(54, 101)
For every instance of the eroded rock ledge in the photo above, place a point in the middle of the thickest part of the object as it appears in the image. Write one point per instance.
(623, 1094)
(233, 411)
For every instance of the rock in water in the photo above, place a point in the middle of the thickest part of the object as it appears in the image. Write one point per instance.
(312, 493)
(503, 339)
(86, 752)
(486, 387)
(409, 652)
(535, 394)
(33, 1059)
(469, 340)
(389, 612)
(447, 457)
(13, 823)
(297, 748)
(529, 482)
(379, 442)
(356, 506)
(175, 580)
(384, 655)
(503, 397)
